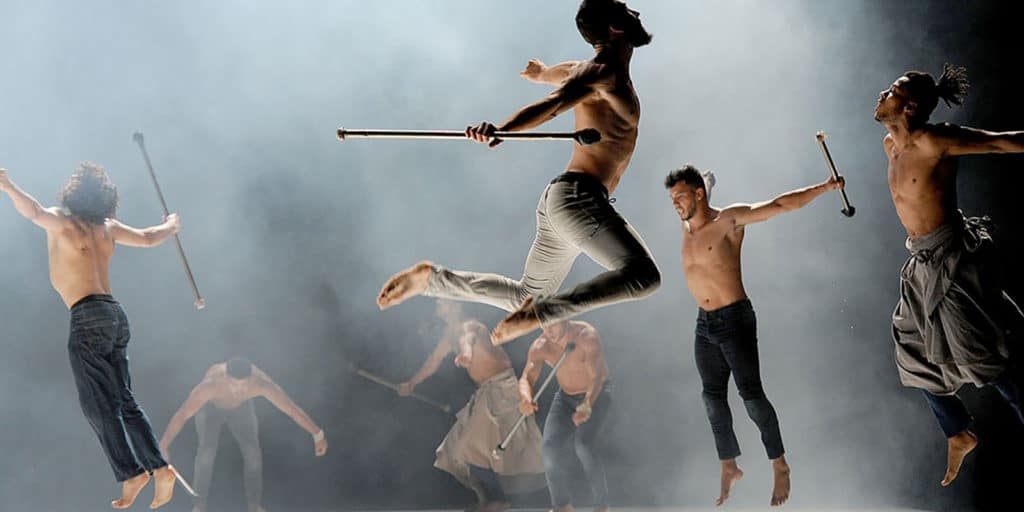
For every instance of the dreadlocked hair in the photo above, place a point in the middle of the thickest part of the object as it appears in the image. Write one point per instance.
(952, 86)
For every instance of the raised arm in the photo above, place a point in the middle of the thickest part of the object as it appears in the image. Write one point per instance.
(146, 237)
(49, 219)
(531, 372)
(195, 401)
(572, 91)
(961, 140)
(540, 73)
(577, 87)
(430, 366)
(743, 214)
(273, 393)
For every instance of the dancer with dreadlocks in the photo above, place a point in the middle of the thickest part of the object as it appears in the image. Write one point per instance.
(953, 321)
(80, 235)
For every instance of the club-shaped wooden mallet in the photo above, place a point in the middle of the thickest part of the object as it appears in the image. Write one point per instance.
(503, 445)
(848, 209)
(583, 137)
(200, 303)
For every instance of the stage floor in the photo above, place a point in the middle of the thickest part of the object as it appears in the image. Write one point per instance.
(726, 508)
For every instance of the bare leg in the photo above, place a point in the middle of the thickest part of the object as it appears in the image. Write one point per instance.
(731, 473)
(165, 481)
(130, 490)
(407, 283)
(958, 448)
(780, 494)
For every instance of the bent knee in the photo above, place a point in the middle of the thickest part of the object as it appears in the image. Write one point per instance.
(647, 277)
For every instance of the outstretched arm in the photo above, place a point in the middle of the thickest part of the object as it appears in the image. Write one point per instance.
(743, 214)
(531, 372)
(272, 392)
(577, 87)
(195, 401)
(145, 237)
(46, 218)
(961, 140)
(430, 366)
(566, 96)
(540, 73)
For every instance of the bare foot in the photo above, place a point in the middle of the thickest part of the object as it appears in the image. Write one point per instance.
(780, 493)
(407, 283)
(958, 448)
(516, 324)
(130, 490)
(496, 506)
(165, 481)
(731, 473)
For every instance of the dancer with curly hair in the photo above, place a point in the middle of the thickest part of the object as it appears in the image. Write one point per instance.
(81, 234)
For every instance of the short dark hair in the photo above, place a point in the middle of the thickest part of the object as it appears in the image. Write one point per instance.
(686, 174)
(89, 194)
(239, 367)
(595, 16)
(924, 90)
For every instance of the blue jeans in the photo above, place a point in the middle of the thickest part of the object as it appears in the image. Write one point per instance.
(564, 441)
(953, 416)
(727, 345)
(97, 347)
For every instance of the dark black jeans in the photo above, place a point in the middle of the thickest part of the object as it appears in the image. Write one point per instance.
(97, 347)
(564, 441)
(953, 416)
(243, 426)
(727, 345)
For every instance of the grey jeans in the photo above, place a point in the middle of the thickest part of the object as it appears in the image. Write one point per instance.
(574, 215)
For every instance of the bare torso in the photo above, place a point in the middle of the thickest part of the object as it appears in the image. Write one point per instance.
(711, 263)
(573, 376)
(487, 360)
(228, 393)
(79, 255)
(614, 110)
(922, 182)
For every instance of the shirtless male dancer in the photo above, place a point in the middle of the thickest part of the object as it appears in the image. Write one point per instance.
(726, 334)
(80, 236)
(577, 412)
(574, 214)
(484, 422)
(225, 396)
(953, 322)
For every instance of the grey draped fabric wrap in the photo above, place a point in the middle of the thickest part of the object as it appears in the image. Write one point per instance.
(954, 322)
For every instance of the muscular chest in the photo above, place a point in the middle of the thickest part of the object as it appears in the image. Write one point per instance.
(709, 248)
(552, 353)
(914, 172)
